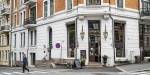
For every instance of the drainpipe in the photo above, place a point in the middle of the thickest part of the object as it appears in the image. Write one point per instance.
(113, 37)
(141, 50)
(11, 25)
(28, 48)
(76, 37)
(76, 34)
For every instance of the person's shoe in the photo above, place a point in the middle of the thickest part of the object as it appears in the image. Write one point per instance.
(28, 70)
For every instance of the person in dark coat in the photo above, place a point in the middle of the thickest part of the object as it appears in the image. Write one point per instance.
(25, 63)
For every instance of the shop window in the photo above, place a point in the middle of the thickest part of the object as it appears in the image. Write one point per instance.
(120, 39)
(71, 39)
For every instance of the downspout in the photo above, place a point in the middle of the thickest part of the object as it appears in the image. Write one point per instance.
(28, 48)
(76, 38)
(10, 43)
(141, 52)
(113, 42)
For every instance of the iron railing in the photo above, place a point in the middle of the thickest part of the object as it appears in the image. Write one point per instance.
(145, 11)
(5, 10)
(5, 28)
(30, 20)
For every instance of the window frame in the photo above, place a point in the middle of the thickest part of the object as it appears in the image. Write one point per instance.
(89, 2)
(69, 5)
(51, 8)
(119, 4)
(45, 9)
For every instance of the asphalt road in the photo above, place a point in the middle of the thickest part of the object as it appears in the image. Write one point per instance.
(35, 71)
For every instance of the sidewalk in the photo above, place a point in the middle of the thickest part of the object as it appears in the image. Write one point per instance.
(134, 67)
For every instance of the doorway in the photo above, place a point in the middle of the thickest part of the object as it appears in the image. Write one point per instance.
(32, 58)
(94, 41)
(50, 42)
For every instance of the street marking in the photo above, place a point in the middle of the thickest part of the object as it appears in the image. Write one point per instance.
(43, 72)
(6, 73)
(18, 73)
(33, 72)
(141, 73)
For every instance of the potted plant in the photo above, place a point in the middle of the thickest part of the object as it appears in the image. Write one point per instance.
(105, 57)
(82, 63)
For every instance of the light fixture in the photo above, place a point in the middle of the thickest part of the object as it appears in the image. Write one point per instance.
(105, 33)
(82, 33)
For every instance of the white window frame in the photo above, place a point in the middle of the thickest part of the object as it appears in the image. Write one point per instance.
(33, 37)
(44, 8)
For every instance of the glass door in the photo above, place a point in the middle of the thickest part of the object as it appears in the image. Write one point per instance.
(94, 40)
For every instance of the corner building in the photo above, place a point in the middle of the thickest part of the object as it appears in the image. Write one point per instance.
(5, 32)
(63, 30)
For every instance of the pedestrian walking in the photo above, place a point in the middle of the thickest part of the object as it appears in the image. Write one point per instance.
(25, 63)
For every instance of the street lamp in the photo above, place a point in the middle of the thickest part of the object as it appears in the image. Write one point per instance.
(82, 33)
(105, 33)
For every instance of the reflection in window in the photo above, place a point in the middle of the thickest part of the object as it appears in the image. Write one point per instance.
(71, 39)
(120, 39)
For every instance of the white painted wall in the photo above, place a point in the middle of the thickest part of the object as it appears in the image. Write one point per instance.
(59, 31)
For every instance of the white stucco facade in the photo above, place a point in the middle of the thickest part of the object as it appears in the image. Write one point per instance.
(59, 33)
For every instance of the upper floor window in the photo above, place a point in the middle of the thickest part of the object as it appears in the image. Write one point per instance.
(0, 41)
(33, 37)
(24, 16)
(20, 18)
(148, 41)
(93, 2)
(146, 5)
(22, 39)
(21, 2)
(69, 4)
(15, 21)
(45, 8)
(120, 3)
(51, 7)
(15, 40)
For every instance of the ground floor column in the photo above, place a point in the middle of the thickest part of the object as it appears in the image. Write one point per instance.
(107, 47)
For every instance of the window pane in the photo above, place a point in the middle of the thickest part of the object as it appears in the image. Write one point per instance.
(120, 3)
(45, 9)
(31, 37)
(93, 2)
(69, 4)
(71, 40)
(51, 7)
